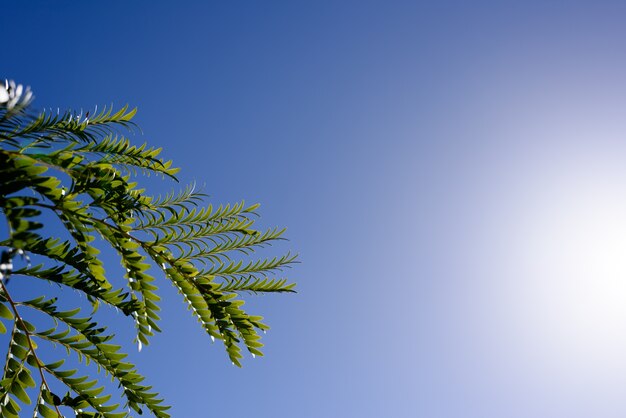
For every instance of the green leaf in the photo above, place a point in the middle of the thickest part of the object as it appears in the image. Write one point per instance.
(5, 312)
(18, 391)
(26, 379)
(46, 412)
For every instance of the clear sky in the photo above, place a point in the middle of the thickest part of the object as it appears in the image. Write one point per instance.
(453, 175)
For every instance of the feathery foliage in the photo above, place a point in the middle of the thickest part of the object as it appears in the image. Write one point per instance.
(78, 172)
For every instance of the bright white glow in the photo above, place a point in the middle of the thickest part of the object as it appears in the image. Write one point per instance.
(570, 253)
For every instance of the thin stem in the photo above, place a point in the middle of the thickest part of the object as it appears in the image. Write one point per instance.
(6, 362)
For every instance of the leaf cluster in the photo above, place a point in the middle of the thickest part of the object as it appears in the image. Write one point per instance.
(81, 172)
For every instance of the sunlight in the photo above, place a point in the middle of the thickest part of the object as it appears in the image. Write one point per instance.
(572, 253)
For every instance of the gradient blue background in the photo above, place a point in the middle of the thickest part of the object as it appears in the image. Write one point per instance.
(452, 173)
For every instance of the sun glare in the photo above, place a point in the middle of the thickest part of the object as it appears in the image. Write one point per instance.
(572, 260)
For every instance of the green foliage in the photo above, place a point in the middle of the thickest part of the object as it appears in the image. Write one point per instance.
(79, 172)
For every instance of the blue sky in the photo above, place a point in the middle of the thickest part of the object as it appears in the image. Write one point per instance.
(452, 174)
